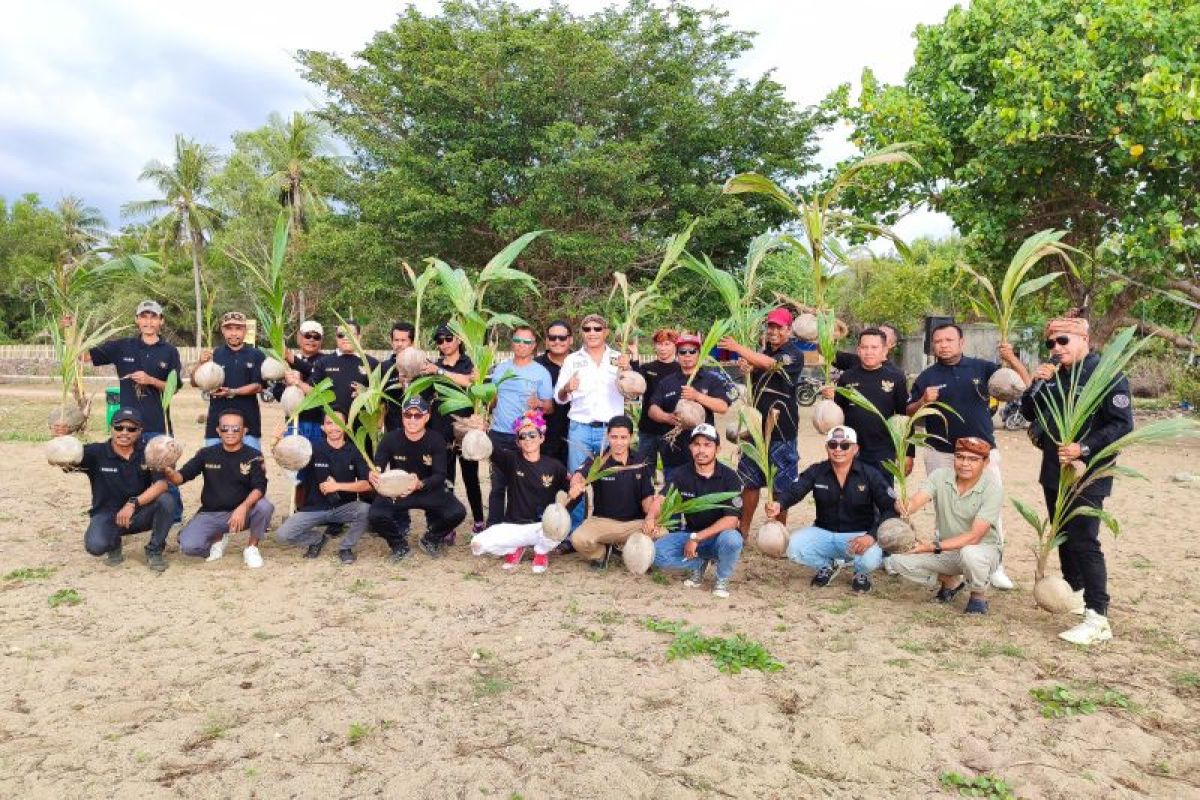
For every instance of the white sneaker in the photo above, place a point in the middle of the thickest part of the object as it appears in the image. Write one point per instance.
(1079, 607)
(1000, 578)
(217, 548)
(252, 557)
(1094, 628)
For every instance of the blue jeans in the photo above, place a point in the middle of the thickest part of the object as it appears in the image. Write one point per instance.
(172, 489)
(818, 548)
(725, 548)
(582, 441)
(784, 456)
(250, 441)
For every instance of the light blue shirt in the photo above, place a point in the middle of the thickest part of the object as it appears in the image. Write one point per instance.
(512, 395)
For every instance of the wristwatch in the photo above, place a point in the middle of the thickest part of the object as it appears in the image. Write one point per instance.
(1084, 451)
(937, 548)
(692, 537)
(134, 501)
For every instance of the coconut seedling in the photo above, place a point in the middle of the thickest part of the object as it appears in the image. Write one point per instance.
(412, 360)
(295, 451)
(72, 337)
(827, 414)
(363, 425)
(556, 519)
(772, 537)
(638, 551)
(1065, 412)
(209, 375)
(164, 450)
(999, 304)
(271, 298)
(689, 413)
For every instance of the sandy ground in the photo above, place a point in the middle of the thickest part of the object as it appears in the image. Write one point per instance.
(455, 679)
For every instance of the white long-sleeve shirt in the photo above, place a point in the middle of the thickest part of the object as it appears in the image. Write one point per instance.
(596, 399)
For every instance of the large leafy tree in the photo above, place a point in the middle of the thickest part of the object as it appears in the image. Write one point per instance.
(475, 125)
(1078, 115)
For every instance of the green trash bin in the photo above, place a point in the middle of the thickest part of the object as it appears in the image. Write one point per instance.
(112, 402)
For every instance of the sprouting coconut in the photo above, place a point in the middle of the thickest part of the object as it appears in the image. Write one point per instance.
(272, 369)
(396, 483)
(163, 451)
(464, 425)
(638, 553)
(556, 520)
(735, 431)
(290, 400)
(411, 362)
(690, 414)
(64, 451)
(896, 535)
(68, 414)
(631, 384)
(804, 327)
(1006, 385)
(827, 415)
(1054, 594)
(476, 446)
(209, 376)
(293, 452)
(772, 539)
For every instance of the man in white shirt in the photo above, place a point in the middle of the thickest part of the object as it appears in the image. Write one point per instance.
(588, 381)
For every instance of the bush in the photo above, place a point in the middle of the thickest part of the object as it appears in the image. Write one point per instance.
(1185, 385)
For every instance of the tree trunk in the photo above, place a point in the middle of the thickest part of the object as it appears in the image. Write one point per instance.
(197, 243)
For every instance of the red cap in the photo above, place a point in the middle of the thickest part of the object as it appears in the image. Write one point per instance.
(781, 317)
(687, 338)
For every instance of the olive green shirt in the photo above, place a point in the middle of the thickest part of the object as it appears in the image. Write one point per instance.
(955, 513)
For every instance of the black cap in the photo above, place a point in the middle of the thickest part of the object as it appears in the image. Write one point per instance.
(443, 330)
(417, 402)
(128, 415)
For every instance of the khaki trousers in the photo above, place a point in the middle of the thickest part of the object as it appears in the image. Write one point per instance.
(594, 533)
(974, 562)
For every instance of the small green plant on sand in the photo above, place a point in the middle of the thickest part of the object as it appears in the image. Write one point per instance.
(988, 786)
(731, 654)
(68, 597)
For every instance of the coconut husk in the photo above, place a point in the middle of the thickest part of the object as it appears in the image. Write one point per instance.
(396, 483)
(804, 327)
(827, 415)
(476, 446)
(292, 452)
(896, 535)
(1053, 594)
(272, 369)
(631, 384)
(556, 522)
(69, 414)
(772, 539)
(162, 452)
(690, 414)
(64, 451)
(209, 376)
(1006, 385)
(463, 425)
(638, 553)
(290, 400)
(735, 432)
(411, 362)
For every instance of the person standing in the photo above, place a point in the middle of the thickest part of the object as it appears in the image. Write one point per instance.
(243, 381)
(773, 376)
(559, 342)
(234, 497)
(343, 367)
(961, 382)
(401, 339)
(1080, 555)
(522, 385)
(845, 360)
(422, 453)
(886, 387)
(126, 497)
(299, 373)
(650, 432)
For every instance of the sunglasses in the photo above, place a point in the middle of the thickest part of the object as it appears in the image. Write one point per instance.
(557, 337)
(529, 435)
(839, 445)
(414, 414)
(340, 335)
(311, 335)
(1061, 341)
(229, 428)
(687, 351)
(126, 428)
(443, 339)
(591, 329)
(521, 340)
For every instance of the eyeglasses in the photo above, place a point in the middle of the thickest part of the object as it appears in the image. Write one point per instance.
(443, 339)
(591, 329)
(529, 435)
(687, 351)
(839, 445)
(414, 414)
(312, 335)
(521, 340)
(557, 337)
(126, 428)
(341, 334)
(229, 428)
(1061, 340)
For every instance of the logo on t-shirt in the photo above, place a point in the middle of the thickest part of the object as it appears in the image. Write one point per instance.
(427, 460)
(547, 480)
(887, 385)
(244, 468)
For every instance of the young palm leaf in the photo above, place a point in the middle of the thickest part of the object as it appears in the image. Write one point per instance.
(675, 507)
(270, 291)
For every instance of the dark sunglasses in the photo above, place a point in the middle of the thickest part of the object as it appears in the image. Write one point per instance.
(839, 445)
(1061, 341)
(229, 428)
(687, 351)
(591, 329)
(414, 414)
(557, 337)
(126, 428)
(443, 339)
(520, 340)
(311, 335)
(529, 435)
(340, 335)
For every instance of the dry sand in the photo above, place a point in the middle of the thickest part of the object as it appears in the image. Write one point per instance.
(455, 679)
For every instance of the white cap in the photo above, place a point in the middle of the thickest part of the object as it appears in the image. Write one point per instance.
(842, 433)
(704, 429)
(148, 307)
(311, 326)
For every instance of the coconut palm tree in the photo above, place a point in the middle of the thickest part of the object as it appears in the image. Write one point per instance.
(293, 150)
(183, 215)
(83, 228)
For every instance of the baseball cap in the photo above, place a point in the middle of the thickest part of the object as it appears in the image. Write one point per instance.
(780, 316)
(417, 402)
(443, 330)
(233, 318)
(148, 307)
(128, 415)
(707, 431)
(311, 326)
(842, 433)
(687, 338)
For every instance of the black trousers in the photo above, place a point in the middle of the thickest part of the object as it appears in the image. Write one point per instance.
(103, 535)
(470, 476)
(390, 518)
(500, 441)
(1082, 560)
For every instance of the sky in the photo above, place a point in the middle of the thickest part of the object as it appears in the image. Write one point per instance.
(90, 90)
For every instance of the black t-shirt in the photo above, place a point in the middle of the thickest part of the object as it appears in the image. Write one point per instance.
(157, 360)
(114, 479)
(653, 372)
(557, 423)
(229, 477)
(861, 504)
(425, 458)
(887, 390)
(344, 464)
(532, 485)
(343, 370)
(619, 496)
(304, 365)
(242, 368)
(775, 389)
(711, 382)
(442, 422)
(963, 387)
(692, 485)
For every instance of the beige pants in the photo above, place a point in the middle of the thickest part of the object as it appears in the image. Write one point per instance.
(935, 459)
(974, 562)
(595, 532)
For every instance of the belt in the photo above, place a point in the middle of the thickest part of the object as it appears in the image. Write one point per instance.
(590, 424)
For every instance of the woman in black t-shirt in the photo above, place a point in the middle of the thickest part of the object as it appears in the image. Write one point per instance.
(455, 365)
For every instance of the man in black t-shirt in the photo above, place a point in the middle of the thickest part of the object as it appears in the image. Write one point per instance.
(886, 387)
(701, 537)
(243, 381)
(619, 500)
(126, 497)
(650, 431)
(401, 338)
(710, 388)
(559, 342)
(344, 369)
(420, 452)
(234, 497)
(532, 482)
(300, 366)
(334, 482)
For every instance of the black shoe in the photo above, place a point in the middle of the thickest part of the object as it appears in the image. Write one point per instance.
(564, 548)
(399, 554)
(945, 595)
(429, 547)
(156, 562)
(314, 550)
(346, 556)
(861, 583)
(823, 577)
(335, 529)
(114, 557)
(598, 565)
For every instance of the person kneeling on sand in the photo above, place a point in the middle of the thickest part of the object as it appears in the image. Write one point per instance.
(126, 497)
(705, 536)
(620, 498)
(967, 547)
(852, 498)
(532, 482)
(333, 483)
(234, 497)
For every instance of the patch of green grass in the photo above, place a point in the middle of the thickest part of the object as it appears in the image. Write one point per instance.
(216, 728)
(916, 648)
(263, 636)
(840, 606)
(361, 586)
(30, 574)
(610, 617)
(987, 786)
(1059, 701)
(358, 732)
(597, 636)
(660, 578)
(473, 576)
(1186, 680)
(572, 606)
(24, 436)
(990, 649)
(68, 597)
(1141, 562)
(898, 662)
(491, 685)
(731, 654)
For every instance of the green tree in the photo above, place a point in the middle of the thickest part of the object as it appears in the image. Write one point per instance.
(613, 130)
(31, 241)
(1078, 115)
(184, 217)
